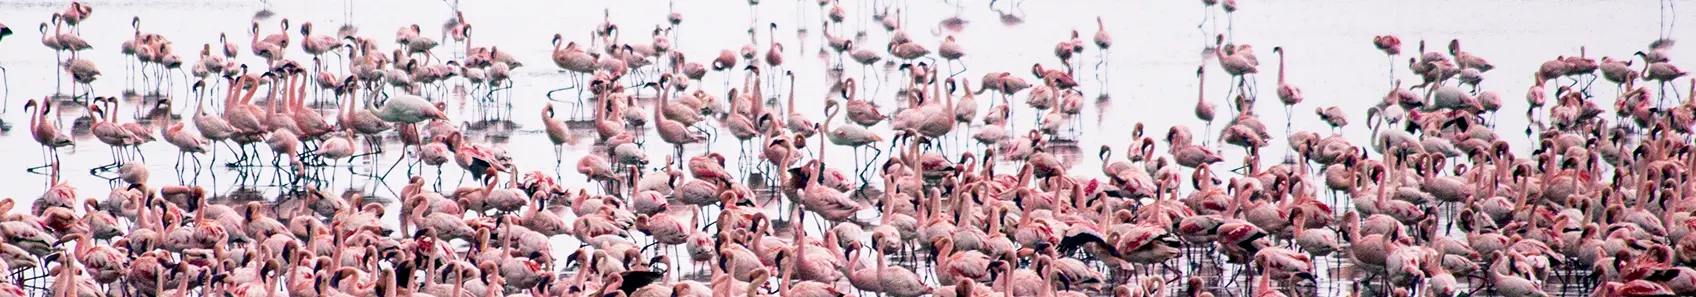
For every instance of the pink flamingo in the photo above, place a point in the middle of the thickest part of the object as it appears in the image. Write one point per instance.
(45, 132)
(1238, 65)
(671, 131)
(107, 131)
(1289, 94)
(829, 203)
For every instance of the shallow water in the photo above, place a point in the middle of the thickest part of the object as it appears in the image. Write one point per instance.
(1152, 64)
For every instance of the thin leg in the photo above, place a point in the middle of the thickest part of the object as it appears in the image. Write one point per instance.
(1674, 12)
(1392, 62)
(1101, 60)
(6, 83)
(58, 73)
(1230, 26)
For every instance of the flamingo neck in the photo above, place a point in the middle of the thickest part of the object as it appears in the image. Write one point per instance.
(1280, 67)
(34, 125)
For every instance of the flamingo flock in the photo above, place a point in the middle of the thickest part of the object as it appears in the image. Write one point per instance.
(1435, 203)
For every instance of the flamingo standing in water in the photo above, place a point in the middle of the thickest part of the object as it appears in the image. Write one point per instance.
(108, 131)
(1206, 16)
(75, 14)
(952, 52)
(556, 131)
(827, 202)
(45, 132)
(1238, 65)
(574, 60)
(187, 144)
(408, 109)
(1391, 46)
(4, 81)
(83, 72)
(671, 131)
(271, 47)
(1289, 94)
(853, 136)
(1203, 110)
(1660, 71)
(1103, 41)
(774, 54)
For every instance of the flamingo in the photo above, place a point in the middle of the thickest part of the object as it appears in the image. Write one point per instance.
(898, 281)
(1512, 285)
(827, 202)
(774, 54)
(1468, 60)
(1238, 65)
(315, 45)
(573, 59)
(82, 72)
(852, 136)
(108, 131)
(408, 109)
(556, 132)
(1203, 110)
(1103, 41)
(952, 52)
(1289, 94)
(190, 144)
(1391, 46)
(671, 131)
(271, 46)
(76, 13)
(1659, 71)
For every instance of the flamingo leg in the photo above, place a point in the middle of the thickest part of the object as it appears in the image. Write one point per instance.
(1230, 26)
(860, 172)
(58, 73)
(179, 166)
(49, 161)
(1232, 92)
(1392, 62)
(753, 16)
(1663, 5)
(1101, 61)
(1207, 134)
(1676, 96)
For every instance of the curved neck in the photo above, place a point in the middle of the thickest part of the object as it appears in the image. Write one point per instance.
(1201, 87)
(34, 122)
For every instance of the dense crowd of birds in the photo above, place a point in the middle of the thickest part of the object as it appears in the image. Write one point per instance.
(1435, 203)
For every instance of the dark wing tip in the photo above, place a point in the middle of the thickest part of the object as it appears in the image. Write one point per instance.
(1072, 243)
(637, 279)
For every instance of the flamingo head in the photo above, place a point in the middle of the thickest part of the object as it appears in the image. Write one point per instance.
(437, 113)
(717, 157)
